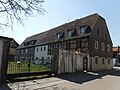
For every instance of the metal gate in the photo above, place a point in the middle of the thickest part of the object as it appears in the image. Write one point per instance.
(21, 69)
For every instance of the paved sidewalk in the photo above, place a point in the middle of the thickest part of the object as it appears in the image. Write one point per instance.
(106, 80)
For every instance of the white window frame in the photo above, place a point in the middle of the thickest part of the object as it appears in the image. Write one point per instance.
(102, 46)
(69, 33)
(108, 47)
(58, 35)
(83, 29)
(96, 44)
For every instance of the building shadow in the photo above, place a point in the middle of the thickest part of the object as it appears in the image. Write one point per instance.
(83, 77)
(4, 87)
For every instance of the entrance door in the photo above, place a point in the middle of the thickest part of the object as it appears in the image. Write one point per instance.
(85, 63)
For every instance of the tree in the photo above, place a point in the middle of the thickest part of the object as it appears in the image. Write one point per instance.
(12, 11)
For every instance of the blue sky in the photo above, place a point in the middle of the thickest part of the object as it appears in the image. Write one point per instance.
(63, 11)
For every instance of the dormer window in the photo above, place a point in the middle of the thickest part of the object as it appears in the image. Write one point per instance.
(26, 43)
(71, 32)
(60, 35)
(83, 29)
(33, 42)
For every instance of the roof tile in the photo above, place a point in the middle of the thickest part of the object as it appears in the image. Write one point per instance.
(50, 35)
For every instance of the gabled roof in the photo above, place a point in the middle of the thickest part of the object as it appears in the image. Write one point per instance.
(5, 38)
(13, 43)
(50, 35)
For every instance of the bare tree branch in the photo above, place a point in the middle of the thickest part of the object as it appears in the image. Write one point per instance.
(17, 10)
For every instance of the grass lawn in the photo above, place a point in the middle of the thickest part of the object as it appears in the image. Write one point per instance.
(13, 67)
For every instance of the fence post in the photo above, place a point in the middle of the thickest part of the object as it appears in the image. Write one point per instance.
(4, 50)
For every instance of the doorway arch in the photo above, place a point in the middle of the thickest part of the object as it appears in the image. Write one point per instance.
(85, 63)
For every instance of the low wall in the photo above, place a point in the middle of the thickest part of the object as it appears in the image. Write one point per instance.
(4, 50)
(68, 61)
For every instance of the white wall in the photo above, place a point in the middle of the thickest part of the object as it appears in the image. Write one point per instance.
(69, 61)
(41, 53)
(100, 65)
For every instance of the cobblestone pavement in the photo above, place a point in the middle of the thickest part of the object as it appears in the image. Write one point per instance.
(106, 80)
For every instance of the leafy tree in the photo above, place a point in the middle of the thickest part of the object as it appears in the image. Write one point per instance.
(12, 11)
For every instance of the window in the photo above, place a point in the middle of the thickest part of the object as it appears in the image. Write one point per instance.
(26, 50)
(71, 32)
(56, 45)
(37, 49)
(60, 45)
(26, 43)
(83, 29)
(48, 58)
(105, 35)
(108, 48)
(102, 46)
(96, 44)
(103, 61)
(98, 31)
(32, 42)
(60, 35)
(78, 44)
(68, 45)
(108, 61)
(44, 48)
(96, 60)
(22, 51)
(52, 46)
(41, 48)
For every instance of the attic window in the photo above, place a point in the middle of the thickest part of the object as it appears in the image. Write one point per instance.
(26, 43)
(70, 32)
(83, 29)
(32, 42)
(60, 35)
(105, 35)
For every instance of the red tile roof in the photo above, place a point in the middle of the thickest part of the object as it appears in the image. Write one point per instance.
(115, 49)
